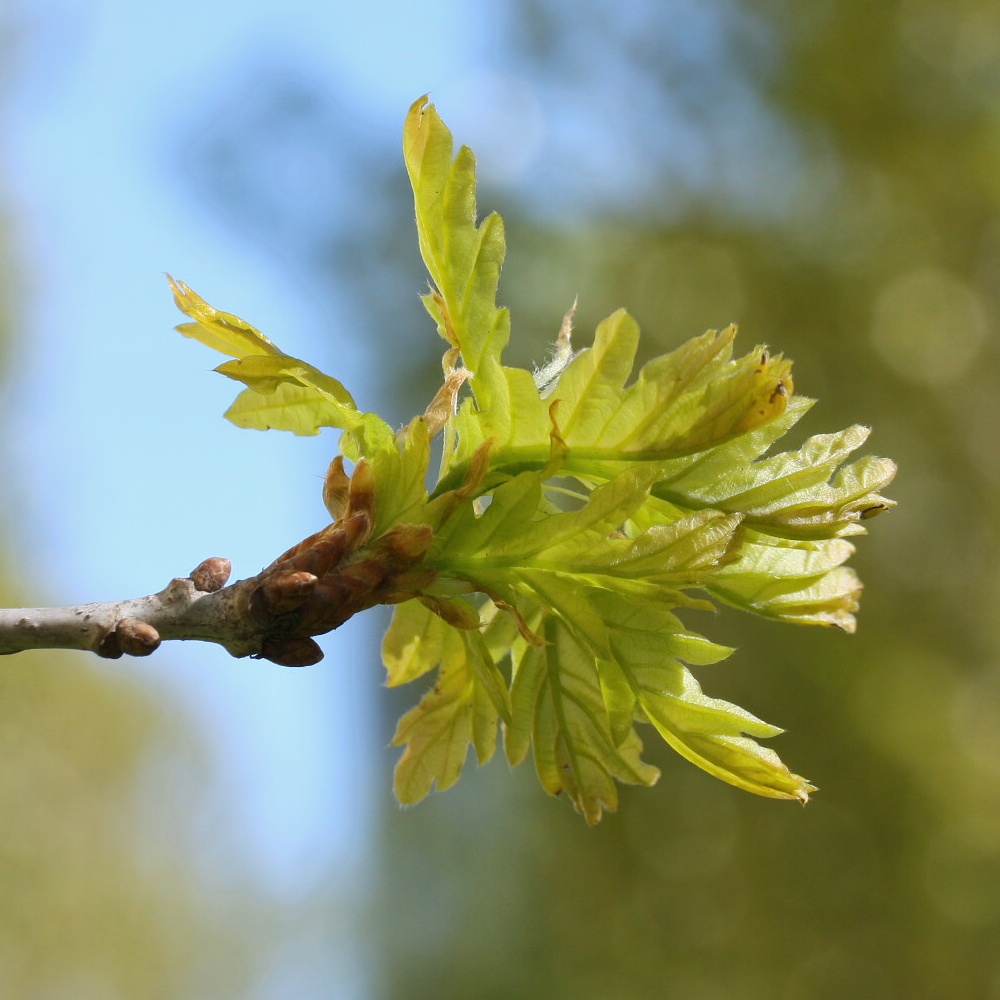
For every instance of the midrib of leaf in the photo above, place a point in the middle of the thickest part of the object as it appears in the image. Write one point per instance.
(601, 463)
(560, 697)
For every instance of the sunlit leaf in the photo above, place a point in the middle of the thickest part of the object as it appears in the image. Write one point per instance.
(216, 329)
(578, 511)
(558, 689)
(463, 707)
(463, 259)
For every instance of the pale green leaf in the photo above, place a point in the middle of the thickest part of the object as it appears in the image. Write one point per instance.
(219, 330)
(400, 473)
(793, 494)
(414, 643)
(436, 735)
(795, 580)
(289, 407)
(685, 401)
(619, 698)
(711, 733)
(463, 708)
(517, 421)
(263, 373)
(575, 751)
(283, 393)
(463, 260)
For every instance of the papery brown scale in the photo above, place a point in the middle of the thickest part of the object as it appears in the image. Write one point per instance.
(447, 327)
(445, 401)
(284, 592)
(336, 486)
(357, 526)
(365, 575)
(406, 544)
(361, 495)
(324, 552)
(458, 614)
(410, 583)
(447, 503)
(290, 555)
(328, 553)
(321, 552)
(331, 604)
(523, 627)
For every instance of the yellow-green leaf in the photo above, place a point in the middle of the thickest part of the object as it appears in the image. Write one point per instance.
(219, 330)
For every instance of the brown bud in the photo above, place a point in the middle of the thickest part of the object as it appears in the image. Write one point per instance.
(326, 545)
(137, 638)
(365, 575)
(335, 488)
(361, 499)
(325, 552)
(284, 592)
(291, 651)
(357, 527)
(211, 574)
(330, 605)
(109, 647)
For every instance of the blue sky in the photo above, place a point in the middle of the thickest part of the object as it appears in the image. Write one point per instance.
(126, 473)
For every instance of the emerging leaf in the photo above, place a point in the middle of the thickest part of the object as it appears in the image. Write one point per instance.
(577, 510)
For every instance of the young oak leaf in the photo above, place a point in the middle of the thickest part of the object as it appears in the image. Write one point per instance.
(714, 734)
(464, 705)
(686, 402)
(665, 486)
(463, 259)
(399, 472)
(219, 330)
(558, 710)
(800, 494)
(283, 393)
(802, 581)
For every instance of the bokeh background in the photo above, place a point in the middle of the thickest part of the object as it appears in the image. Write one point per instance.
(826, 174)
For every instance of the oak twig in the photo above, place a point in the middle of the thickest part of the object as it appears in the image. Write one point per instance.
(198, 606)
(311, 589)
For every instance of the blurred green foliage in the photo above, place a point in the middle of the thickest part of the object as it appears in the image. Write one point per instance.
(828, 176)
(858, 231)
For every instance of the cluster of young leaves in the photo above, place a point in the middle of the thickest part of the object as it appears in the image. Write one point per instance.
(573, 514)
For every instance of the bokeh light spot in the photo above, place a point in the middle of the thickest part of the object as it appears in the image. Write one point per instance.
(929, 327)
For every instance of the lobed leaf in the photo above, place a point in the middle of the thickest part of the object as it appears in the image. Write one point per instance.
(221, 331)
(798, 494)
(559, 710)
(463, 707)
(283, 393)
(714, 734)
(802, 581)
(576, 510)
(683, 403)
(463, 259)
